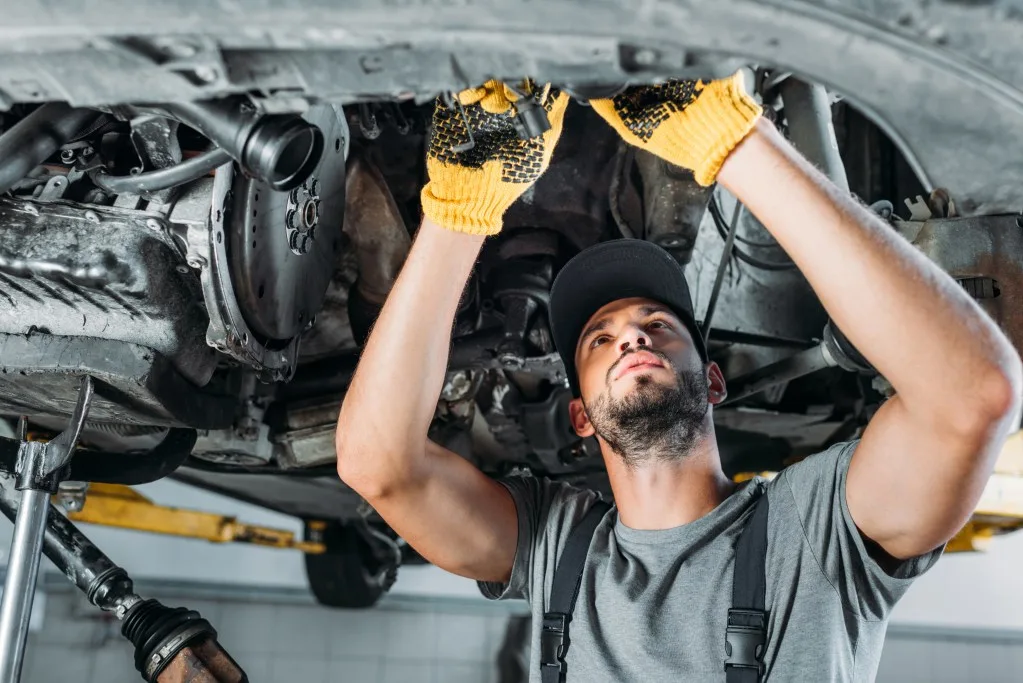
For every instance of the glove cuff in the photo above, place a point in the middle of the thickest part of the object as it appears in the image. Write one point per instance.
(701, 136)
(472, 201)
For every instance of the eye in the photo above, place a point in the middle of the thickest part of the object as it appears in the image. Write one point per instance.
(658, 325)
(598, 340)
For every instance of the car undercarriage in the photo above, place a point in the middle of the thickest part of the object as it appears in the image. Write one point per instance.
(203, 207)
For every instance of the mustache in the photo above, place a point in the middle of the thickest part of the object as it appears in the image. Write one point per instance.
(625, 354)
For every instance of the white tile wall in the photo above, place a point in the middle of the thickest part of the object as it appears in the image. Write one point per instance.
(929, 659)
(281, 643)
(291, 643)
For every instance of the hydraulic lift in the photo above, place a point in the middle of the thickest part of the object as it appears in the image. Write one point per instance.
(172, 645)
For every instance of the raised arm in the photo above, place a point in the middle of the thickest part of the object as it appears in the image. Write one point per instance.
(451, 513)
(922, 463)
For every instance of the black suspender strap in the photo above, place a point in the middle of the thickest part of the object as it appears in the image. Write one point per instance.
(568, 575)
(746, 634)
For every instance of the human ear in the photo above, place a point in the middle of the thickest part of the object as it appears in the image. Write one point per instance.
(580, 420)
(716, 389)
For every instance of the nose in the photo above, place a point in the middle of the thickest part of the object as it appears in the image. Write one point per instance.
(630, 337)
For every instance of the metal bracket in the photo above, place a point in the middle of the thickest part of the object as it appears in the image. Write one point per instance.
(39, 465)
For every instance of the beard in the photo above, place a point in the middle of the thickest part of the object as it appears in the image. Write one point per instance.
(654, 421)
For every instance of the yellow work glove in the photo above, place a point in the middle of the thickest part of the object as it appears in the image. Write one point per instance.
(469, 191)
(692, 124)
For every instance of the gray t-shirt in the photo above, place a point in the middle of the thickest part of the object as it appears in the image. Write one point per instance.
(652, 604)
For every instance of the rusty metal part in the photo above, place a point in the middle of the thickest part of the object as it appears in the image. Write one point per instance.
(309, 439)
(101, 273)
(161, 633)
(120, 506)
(985, 254)
(376, 229)
(673, 205)
(204, 661)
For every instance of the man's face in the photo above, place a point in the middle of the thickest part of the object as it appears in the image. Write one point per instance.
(644, 388)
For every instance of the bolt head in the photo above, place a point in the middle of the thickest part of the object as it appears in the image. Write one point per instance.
(178, 49)
(205, 74)
(510, 361)
(67, 155)
(153, 224)
(92, 216)
(645, 57)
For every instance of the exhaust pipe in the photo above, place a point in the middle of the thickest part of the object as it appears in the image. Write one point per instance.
(281, 150)
(32, 140)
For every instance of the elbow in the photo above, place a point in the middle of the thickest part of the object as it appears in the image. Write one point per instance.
(368, 472)
(351, 468)
(342, 453)
(999, 398)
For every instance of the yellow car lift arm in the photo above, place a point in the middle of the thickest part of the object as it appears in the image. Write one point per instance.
(121, 506)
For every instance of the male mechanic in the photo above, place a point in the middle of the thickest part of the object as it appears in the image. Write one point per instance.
(847, 529)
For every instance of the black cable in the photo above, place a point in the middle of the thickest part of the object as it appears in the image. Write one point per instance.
(32, 140)
(164, 178)
(722, 228)
(719, 277)
(757, 245)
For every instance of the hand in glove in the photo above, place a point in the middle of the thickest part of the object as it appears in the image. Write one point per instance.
(469, 191)
(692, 124)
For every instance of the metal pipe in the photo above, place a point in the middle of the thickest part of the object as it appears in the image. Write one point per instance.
(20, 584)
(785, 370)
(164, 178)
(281, 150)
(808, 111)
(71, 551)
(32, 140)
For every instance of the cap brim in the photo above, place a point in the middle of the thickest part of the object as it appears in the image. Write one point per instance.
(609, 271)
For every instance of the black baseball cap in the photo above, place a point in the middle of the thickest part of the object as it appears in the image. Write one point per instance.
(609, 271)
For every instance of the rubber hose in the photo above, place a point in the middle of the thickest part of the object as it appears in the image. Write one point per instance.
(164, 178)
(32, 140)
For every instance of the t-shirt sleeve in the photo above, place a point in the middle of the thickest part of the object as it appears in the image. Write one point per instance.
(818, 485)
(544, 508)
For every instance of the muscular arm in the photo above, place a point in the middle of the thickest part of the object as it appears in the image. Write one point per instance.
(924, 458)
(450, 512)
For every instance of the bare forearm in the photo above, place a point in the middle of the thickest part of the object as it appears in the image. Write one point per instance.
(394, 392)
(909, 318)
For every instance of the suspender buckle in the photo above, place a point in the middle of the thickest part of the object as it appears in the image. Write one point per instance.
(745, 637)
(552, 641)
